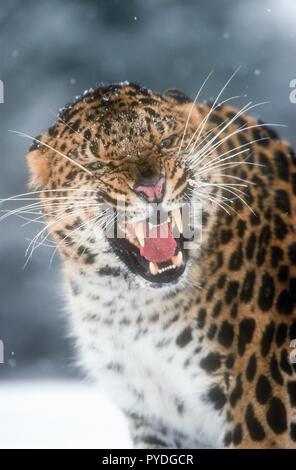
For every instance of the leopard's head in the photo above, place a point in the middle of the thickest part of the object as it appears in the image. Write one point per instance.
(115, 175)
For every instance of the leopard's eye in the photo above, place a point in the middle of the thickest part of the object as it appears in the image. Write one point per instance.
(96, 165)
(168, 142)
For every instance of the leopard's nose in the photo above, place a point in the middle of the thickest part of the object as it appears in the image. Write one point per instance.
(151, 188)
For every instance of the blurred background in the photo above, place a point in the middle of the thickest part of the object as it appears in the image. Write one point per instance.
(52, 51)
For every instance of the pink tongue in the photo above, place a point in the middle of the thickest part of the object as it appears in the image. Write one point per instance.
(160, 244)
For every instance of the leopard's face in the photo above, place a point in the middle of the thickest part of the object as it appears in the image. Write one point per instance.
(115, 173)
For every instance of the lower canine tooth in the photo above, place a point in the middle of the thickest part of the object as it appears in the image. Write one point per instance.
(177, 260)
(153, 268)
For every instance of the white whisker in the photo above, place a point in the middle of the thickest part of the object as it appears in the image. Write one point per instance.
(54, 150)
(211, 130)
(191, 109)
(214, 104)
(245, 108)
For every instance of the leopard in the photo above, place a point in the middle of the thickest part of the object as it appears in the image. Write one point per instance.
(176, 224)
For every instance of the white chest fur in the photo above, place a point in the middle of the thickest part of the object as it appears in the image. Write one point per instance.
(130, 342)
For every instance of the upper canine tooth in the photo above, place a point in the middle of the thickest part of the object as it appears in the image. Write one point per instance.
(178, 219)
(139, 229)
(177, 260)
(153, 268)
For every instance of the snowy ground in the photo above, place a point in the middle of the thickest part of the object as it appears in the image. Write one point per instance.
(48, 414)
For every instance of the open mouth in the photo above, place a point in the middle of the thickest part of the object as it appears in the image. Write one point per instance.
(153, 247)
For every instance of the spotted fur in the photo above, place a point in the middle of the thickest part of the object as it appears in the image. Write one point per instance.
(203, 362)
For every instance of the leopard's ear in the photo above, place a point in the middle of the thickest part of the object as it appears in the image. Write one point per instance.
(177, 96)
(38, 164)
